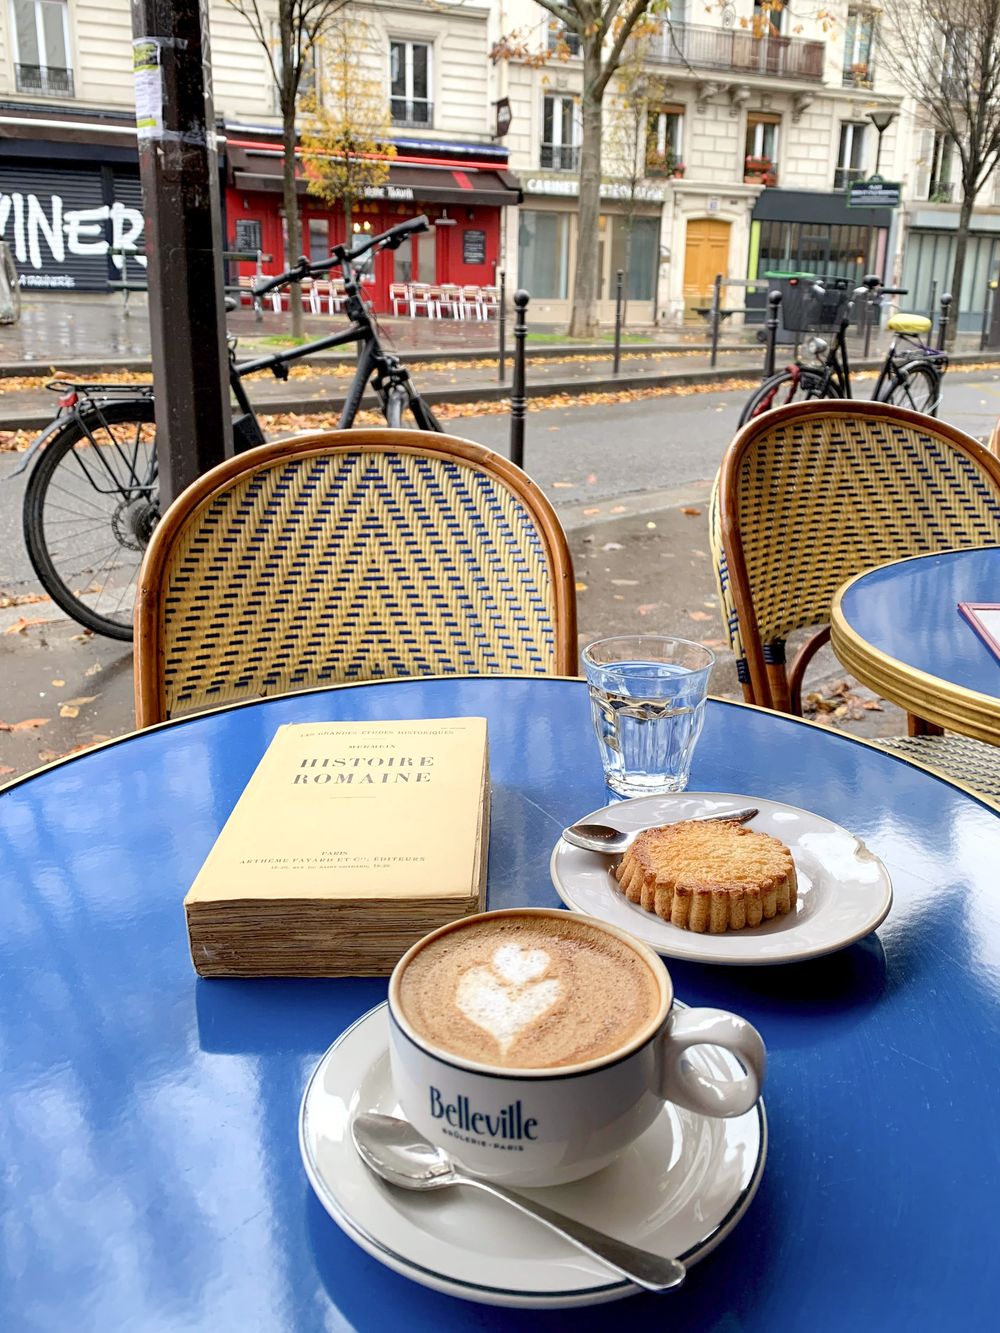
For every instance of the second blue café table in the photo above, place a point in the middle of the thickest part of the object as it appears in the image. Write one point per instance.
(150, 1176)
(898, 629)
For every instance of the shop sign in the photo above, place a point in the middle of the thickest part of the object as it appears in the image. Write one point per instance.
(248, 235)
(395, 192)
(609, 189)
(504, 117)
(473, 247)
(58, 245)
(874, 193)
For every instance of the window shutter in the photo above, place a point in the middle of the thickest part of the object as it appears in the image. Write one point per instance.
(923, 164)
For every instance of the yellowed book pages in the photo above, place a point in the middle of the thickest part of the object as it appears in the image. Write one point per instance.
(356, 812)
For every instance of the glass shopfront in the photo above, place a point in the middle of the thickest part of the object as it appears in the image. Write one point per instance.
(547, 252)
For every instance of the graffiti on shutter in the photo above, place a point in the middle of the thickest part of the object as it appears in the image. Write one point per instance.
(60, 226)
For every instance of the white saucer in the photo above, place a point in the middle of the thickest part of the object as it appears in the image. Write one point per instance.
(844, 890)
(677, 1200)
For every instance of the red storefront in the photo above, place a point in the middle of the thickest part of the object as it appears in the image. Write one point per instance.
(462, 188)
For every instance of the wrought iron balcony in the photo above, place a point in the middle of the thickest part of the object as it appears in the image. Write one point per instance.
(738, 51)
(43, 79)
(845, 176)
(941, 192)
(412, 113)
(560, 157)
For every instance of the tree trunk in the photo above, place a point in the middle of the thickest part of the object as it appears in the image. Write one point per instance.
(583, 317)
(958, 269)
(293, 224)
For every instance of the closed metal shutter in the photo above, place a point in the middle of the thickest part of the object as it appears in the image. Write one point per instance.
(60, 223)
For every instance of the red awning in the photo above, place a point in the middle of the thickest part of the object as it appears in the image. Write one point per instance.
(260, 169)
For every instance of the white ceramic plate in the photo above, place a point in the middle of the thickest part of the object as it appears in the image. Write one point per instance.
(679, 1190)
(844, 890)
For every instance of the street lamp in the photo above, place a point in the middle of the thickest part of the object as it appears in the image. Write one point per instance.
(881, 120)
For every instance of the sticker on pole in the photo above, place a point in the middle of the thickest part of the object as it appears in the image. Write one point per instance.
(148, 74)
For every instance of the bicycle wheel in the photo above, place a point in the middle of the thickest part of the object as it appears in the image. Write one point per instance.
(90, 506)
(917, 385)
(788, 387)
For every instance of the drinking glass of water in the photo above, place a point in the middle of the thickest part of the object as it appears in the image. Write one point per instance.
(647, 698)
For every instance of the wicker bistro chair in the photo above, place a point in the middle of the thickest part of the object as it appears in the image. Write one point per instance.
(349, 556)
(812, 493)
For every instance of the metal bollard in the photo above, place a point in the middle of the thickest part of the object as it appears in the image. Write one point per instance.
(716, 317)
(518, 400)
(986, 316)
(868, 307)
(616, 366)
(773, 307)
(502, 322)
(943, 321)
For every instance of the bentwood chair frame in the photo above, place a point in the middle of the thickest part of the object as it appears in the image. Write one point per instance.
(812, 493)
(345, 556)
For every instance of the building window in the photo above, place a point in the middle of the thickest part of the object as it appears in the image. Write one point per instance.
(410, 83)
(310, 84)
(941, 186)
(543, 254)
(642, 265)
(761, 162)
(560, 134)
(958, 63)
(41, 48)
(859, 37)
(665, 141)
(768, 17)
(851, 156)
(559, 38)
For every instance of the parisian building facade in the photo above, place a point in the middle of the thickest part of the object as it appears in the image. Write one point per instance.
(727, 151)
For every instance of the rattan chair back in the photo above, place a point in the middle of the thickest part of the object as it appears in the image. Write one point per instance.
(350, 556)
(812, 493)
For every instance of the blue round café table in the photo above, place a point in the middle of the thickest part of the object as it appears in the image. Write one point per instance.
(899, 630)
(150, 1176)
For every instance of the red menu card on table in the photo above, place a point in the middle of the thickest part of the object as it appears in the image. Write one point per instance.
(984, 617)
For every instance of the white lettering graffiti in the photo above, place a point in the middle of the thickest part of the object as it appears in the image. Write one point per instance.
(76, 231)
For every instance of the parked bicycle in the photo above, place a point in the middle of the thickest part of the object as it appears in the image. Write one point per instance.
(92, 497)
(911, 372)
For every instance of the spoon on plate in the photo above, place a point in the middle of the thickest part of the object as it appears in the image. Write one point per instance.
(397, 1152)
(604, 838)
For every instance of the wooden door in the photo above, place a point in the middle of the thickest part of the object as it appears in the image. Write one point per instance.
(706, 253)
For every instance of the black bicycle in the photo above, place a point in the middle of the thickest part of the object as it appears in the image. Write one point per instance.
(92, 497)
(911, 372)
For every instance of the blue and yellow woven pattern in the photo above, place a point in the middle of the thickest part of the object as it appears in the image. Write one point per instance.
(353, 565)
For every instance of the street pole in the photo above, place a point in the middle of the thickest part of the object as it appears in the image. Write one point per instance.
(178, 166)
(518, 398)
(502, 330)
(618, 322)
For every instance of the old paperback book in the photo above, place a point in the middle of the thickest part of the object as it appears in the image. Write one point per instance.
(349, 842)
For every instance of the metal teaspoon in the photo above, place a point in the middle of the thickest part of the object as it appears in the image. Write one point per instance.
(394, 1150)
(603, 838)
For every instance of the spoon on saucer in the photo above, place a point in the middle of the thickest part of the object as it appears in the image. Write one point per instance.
(604, 838)
(398, 1153)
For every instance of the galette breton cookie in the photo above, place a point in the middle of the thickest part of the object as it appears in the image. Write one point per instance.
(709, 877)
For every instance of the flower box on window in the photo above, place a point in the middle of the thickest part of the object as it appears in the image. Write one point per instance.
(759, 171)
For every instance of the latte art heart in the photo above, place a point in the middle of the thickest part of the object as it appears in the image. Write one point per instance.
(509, 995)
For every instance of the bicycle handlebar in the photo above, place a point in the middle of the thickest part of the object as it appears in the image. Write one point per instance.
(388, 240)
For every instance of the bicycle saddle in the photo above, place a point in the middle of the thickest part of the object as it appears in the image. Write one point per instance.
(909, 323)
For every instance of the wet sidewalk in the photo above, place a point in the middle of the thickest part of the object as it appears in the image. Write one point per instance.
(637, 571)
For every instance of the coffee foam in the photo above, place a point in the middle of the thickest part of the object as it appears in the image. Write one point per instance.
(528, 992)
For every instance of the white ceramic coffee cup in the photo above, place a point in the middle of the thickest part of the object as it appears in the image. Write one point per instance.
(548, 1126)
